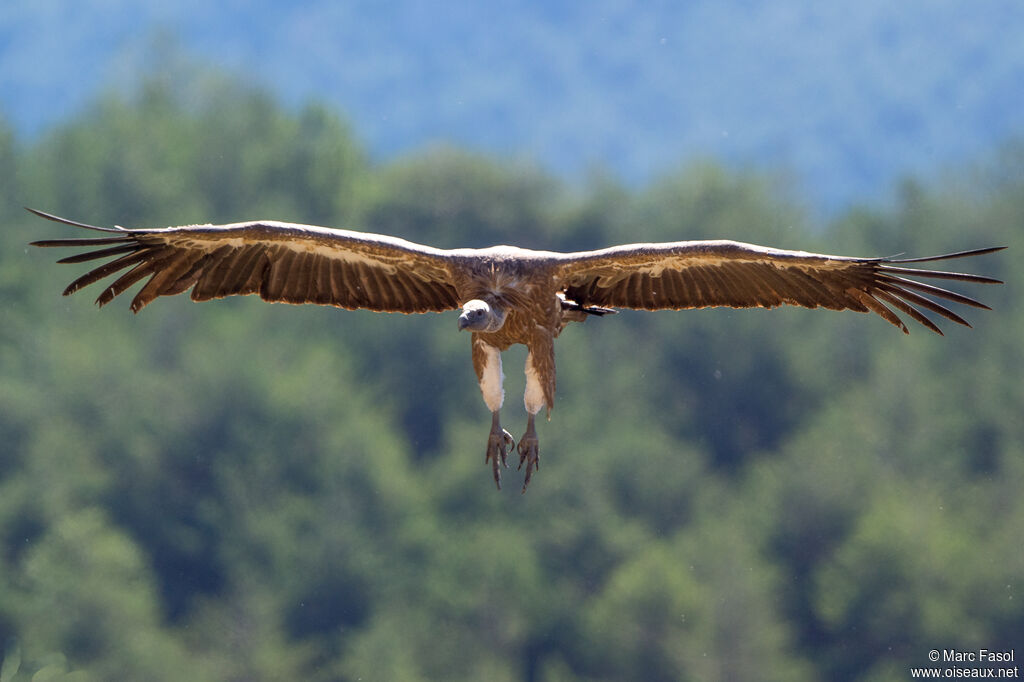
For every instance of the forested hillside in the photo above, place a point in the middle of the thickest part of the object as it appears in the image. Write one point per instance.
(241, 491)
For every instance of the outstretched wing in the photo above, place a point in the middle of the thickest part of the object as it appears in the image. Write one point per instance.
(724, 273)
(279, 261)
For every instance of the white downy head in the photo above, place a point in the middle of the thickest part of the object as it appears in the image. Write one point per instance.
(479, 316)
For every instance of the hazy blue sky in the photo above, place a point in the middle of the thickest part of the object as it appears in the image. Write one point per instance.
(846, 96)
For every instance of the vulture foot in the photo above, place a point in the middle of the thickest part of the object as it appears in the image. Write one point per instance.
(499, 442)
(529, 451)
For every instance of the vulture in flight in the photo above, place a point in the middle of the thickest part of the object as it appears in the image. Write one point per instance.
(506, 294)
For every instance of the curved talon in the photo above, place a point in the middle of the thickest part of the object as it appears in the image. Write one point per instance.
(500, 447)
(499, 442)
(529, 452)
(510, 443)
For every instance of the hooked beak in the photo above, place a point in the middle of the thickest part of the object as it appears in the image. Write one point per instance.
(463, 321)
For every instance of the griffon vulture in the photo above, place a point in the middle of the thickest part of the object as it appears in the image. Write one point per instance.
(506, 294)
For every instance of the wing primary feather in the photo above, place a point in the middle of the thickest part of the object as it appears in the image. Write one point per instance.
(105, 270)
(186, 273)
(81, 241)
(922, 301)
(174, 275)
(910, 310)
(933, 290)
(939, 274)
(154, 261)
(124, 281)
(945, 256)
(58, 219)
(102, 253)
(888, 315)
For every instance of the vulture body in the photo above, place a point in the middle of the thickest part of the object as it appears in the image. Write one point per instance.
(507, 295)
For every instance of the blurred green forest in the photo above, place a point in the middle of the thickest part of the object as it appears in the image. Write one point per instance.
(239, 491)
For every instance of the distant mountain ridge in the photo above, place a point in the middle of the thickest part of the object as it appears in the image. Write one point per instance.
(846, 97)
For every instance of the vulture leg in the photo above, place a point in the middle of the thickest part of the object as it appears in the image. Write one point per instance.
(487, 363)
(529, 451)
(499, 442)
(540, 393)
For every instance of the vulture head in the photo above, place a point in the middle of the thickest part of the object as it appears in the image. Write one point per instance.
(480, 316)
